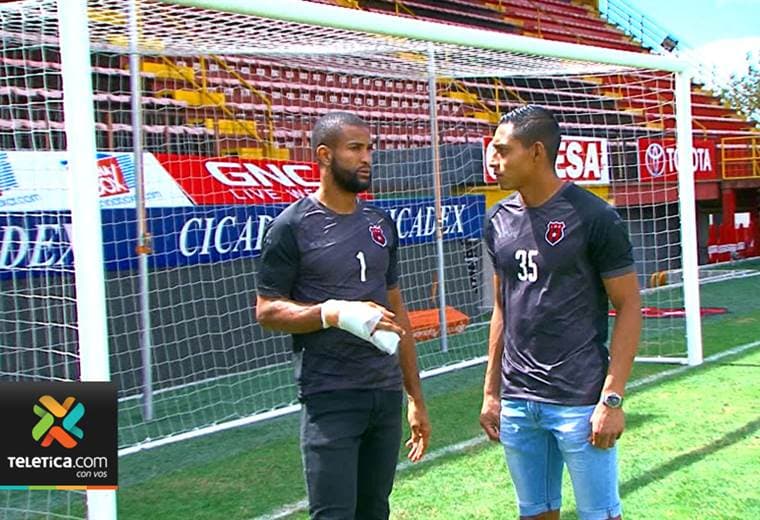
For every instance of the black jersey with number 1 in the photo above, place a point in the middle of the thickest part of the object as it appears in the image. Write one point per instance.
(311, 254)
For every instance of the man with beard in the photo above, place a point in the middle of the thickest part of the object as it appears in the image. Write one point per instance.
(328, 275)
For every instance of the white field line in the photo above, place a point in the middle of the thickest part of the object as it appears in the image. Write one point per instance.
(301, 505)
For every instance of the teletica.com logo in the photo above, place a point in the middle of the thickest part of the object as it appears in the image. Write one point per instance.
(46, 431)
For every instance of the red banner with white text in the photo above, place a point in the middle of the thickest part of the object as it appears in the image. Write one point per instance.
(582, 160)
(234, 180)
(658, 161)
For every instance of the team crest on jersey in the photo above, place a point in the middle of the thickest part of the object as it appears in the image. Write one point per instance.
(555, 231)
(378, 237)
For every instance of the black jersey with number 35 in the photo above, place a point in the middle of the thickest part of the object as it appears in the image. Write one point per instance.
(311, 254)
(551, 260)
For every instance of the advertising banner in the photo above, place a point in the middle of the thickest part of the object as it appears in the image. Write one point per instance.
(41, 242)
(39, 181)
(582, 160)
(658, 161)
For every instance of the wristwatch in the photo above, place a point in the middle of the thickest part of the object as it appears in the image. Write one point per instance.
(612, 400)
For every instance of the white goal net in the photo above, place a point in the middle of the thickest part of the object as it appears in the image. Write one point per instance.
(227, 104)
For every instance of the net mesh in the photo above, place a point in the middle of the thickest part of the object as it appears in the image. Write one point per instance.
(228, 104)
(38, 338)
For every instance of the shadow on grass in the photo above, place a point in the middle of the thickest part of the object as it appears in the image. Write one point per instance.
(678, 463)
(691, 457)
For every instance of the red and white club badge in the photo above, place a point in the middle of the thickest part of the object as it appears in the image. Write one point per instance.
(555, 231)
(378, 237)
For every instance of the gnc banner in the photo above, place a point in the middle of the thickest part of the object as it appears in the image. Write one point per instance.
(582, 160)
(658, 160)
(232, 180)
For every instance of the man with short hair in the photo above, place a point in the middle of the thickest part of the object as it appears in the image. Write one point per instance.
(328, 274)
(553, 392)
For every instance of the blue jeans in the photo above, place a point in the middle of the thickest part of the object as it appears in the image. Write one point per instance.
(350, 441)
(538, 439)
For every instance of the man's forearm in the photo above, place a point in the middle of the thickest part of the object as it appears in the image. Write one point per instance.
(623, 346)
(407, 352)
(409, 371)
(288, 316)
(492, 382)
(407, 357)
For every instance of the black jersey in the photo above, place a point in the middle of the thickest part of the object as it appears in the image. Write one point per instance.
(552, 260)
(311, 254)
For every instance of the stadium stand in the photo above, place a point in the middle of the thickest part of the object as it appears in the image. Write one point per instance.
(236, 105)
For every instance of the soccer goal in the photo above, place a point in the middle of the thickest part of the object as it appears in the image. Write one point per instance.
(199, 114)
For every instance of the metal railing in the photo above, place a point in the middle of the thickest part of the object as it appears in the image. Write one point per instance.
(637, 25)
(247, 127)
(269, 139)
(740, 157)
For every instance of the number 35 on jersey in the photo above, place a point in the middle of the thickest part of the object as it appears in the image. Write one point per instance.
(527, 268)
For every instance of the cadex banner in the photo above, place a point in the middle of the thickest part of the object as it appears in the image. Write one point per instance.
(36, 242)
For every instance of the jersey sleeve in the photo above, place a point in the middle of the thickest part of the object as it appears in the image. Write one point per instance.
(610, 246)
(278, 264)
(392, 274)
(488, 237)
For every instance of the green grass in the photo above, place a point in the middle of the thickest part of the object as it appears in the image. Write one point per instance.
(254, 470)
(692, 446)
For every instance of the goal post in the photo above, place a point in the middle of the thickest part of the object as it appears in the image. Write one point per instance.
(688, 219)
(87, 236)
(357, 20)
(53, 319)
(322, 15)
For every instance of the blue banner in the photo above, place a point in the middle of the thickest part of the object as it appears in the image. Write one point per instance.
(36, 242)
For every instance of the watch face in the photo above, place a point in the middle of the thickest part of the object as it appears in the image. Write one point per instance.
(613, 400)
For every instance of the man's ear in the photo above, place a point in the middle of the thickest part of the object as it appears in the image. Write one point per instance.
(538, 152)
(324, 154)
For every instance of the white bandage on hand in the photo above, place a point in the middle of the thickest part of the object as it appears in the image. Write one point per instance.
(358, 318)
(386, 340)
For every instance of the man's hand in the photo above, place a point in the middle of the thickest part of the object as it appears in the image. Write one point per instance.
(419, 426)
(490, 417)
(359, 318)
(386, 341)
(607, 425)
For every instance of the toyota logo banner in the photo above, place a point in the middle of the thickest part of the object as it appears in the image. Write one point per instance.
(658, 161)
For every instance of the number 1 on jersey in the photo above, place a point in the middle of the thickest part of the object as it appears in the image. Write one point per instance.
(363, 265)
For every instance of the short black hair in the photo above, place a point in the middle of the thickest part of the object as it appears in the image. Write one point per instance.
(328, 128)
(533, 123)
